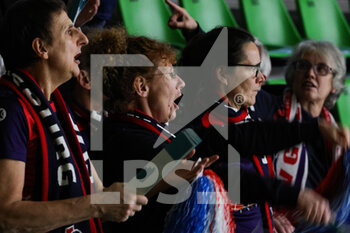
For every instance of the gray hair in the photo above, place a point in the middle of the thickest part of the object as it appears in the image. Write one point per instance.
(332, 54)
(265, 65)
(2, 66)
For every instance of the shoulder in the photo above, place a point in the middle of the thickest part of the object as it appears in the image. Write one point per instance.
(267, 104)
(11, 108)
(125, 142)
(127, 130)
(264, 96)
(14, 129)
(129, 138)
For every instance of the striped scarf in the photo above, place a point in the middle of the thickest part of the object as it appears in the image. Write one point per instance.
(65, 165)
(291, 165)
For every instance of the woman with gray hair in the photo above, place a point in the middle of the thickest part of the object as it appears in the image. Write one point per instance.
(315, 77)
(327, 53)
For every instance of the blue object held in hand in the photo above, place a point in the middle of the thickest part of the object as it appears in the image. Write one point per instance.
(75, 8)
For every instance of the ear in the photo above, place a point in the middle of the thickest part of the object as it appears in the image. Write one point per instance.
(39, 48)
(141, 86)
(334, 90)
(220, 75)
(84, 80)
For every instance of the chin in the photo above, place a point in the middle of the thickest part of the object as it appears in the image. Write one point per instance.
(307, 96)
(249, 103)
(76, 73)
(172, 116)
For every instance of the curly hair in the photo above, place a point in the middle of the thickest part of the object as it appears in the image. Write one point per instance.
(118, 81)
(332, 54)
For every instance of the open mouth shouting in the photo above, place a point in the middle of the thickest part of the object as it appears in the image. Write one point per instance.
(76, 58)
(177, 101)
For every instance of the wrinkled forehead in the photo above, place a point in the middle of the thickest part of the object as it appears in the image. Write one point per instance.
(60, 19)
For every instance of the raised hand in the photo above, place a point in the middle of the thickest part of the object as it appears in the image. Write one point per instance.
(88, 12)
(180, 18)
(187, 170)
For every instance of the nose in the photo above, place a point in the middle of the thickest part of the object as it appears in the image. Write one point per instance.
(312, 72)
(181, 83)
(82, 39)
(261, 78)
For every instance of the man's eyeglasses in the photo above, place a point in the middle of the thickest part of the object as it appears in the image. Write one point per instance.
(254, 68)
(320, 69)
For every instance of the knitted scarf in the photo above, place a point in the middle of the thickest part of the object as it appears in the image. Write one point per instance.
(263, 165)
(291, 164)
(219, 114)
(65, 165)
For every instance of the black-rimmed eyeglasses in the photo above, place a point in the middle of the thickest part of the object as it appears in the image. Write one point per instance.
(254, 68)
(320, 69)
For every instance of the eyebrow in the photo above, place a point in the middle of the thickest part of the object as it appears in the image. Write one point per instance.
(65, 27)
(70, 26)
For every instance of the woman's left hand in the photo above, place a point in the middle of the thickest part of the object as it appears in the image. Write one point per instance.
(282, 224)
(187, 170)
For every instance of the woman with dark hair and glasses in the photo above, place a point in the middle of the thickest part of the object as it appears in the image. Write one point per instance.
(236, 84)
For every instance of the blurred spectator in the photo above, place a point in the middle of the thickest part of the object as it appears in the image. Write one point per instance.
(104, 13)
(86, 15)
(88, 12)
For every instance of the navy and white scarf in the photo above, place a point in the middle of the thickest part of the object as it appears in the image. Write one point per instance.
(224, 113)
(291, 164)
(65, 166)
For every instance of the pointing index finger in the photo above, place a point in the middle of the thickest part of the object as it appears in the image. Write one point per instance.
(173, 5)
